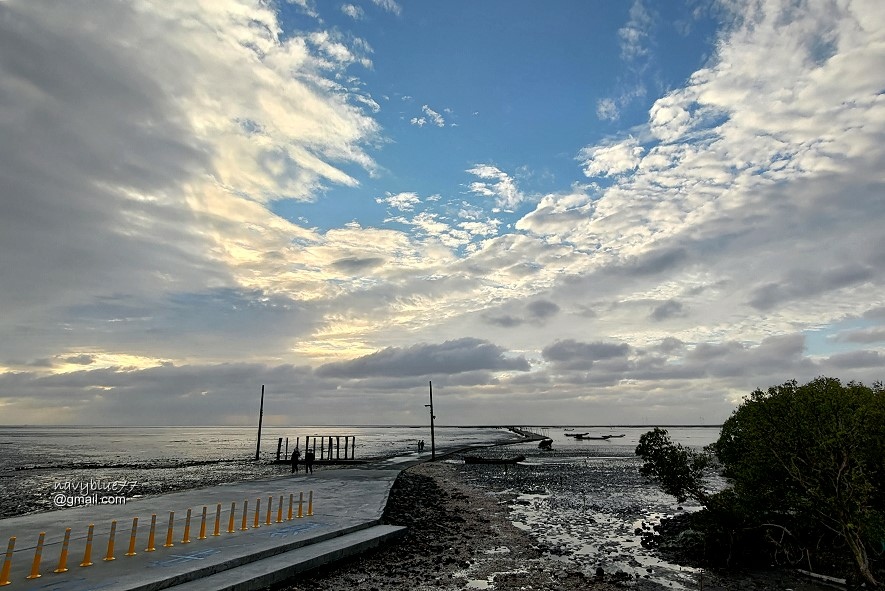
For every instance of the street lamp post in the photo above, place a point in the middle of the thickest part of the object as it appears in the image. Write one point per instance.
(432, 438)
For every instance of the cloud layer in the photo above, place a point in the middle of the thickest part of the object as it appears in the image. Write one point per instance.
(730, 240)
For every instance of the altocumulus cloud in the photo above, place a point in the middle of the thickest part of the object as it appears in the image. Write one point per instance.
(450, 357)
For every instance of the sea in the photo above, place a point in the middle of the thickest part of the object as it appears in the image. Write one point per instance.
(38, 462)
(583, 500)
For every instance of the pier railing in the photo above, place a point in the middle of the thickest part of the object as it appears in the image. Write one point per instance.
(248, 519)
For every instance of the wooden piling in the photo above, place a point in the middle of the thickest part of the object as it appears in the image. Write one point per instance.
(260, 419)
(279, 447)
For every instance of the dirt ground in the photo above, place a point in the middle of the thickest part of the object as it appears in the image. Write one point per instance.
(459, 537)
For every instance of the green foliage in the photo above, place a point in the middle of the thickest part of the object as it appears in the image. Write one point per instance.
(805, 463)
(679, 470)
(813, 452)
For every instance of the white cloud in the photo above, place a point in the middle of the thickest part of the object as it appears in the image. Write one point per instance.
(218, 115)
(607, 109)
(401, 201)
(390, 6)
(727, 220)
(430, 116)
(433, 116)
(353, 11)
(502, 187)
(634, 35)
(610, 160)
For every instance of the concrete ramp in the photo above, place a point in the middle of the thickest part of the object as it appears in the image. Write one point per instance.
(262, 573)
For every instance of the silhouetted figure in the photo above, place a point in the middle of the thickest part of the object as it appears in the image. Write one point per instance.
(309, 457)
(296, 455)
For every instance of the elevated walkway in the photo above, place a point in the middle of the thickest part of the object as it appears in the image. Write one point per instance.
(347, 505)
(236, 547)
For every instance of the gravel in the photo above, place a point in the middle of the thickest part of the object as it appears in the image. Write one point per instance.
(575, 532)
(459, 537)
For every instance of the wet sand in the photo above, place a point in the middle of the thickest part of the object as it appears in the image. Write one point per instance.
(459, 537)
(462, 536)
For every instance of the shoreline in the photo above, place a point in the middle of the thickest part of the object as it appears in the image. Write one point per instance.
(461, 535)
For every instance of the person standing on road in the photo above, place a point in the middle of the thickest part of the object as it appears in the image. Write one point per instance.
(309, 457)
(296, 455)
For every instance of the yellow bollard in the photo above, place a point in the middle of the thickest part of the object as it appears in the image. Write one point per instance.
(310, 503)
(150, 547)
(7, 563)
(230, 523)
(38, 554)
(110, 554)
(300, 504)
(255, 524)
(87, 557)
(291, 502)
(63, 559)
(243, 526)
(131, 551)
(202, 535)
(169, 543)
(217, 521)
(280, 511)
(187, 529)
(269, 509)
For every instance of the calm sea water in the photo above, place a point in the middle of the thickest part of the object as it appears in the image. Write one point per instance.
(584, 497)
(34, 461)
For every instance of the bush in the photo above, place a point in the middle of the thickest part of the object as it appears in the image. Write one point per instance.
(806, 465)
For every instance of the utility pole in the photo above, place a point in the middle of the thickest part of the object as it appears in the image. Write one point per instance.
(432, 438)
(260, 417)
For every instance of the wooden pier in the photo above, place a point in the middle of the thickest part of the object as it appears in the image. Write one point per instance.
(328, 450)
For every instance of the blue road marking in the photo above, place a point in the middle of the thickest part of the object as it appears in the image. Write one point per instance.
(291, 530)
(78, 584)
(177, 559)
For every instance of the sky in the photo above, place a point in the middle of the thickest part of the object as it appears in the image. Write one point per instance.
(570, 212)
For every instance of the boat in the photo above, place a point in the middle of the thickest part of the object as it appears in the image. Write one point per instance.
(479, 460)
(570, 429)
(576, 435)
(615, 436)
(546, 444)
(588, 436)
